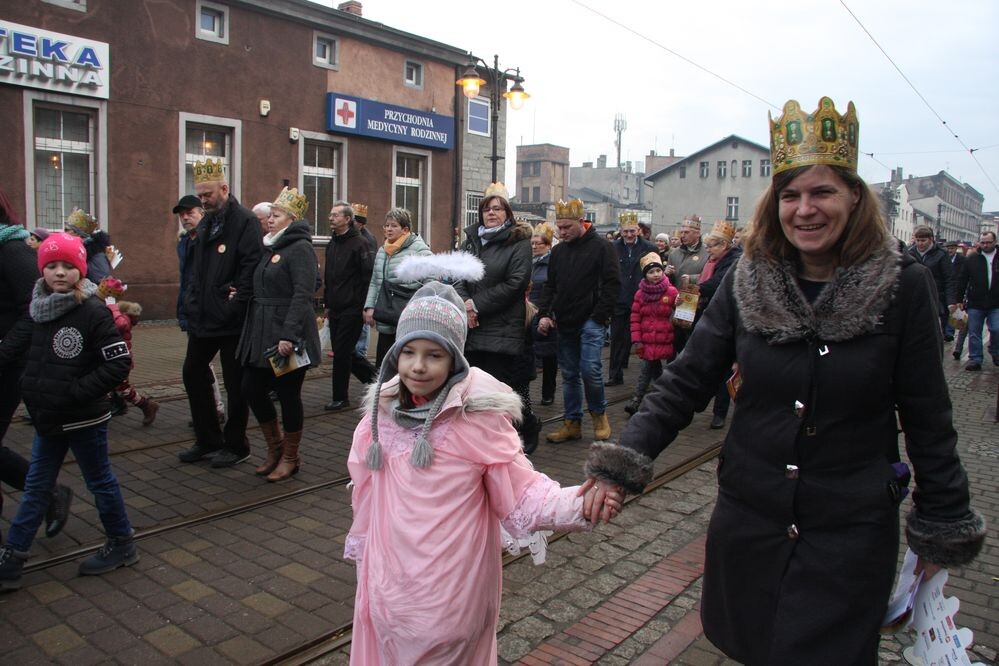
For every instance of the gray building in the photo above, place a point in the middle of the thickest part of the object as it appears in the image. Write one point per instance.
(952, 208)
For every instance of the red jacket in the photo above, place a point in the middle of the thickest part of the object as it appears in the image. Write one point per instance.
(651, 319)
(124, 321)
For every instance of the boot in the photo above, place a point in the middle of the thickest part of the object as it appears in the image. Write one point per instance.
(289, 458)
(529, 433)
(116, 552)
(149, 408)
(11, 563)
(274, 439)
(601, 426)
(570, 430)
(58, 511)
(633, 405)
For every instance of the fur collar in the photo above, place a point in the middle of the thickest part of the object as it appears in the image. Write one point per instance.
(771, 303)
(479, 392)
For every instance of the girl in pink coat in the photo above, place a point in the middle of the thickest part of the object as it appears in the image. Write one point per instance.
(651, 324)
(436, 467)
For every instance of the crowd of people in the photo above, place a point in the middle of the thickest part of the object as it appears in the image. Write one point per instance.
(818, 330)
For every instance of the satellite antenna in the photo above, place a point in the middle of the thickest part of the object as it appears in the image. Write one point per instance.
(620, 125)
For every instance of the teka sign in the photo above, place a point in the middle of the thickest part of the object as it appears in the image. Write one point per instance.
(36, 58)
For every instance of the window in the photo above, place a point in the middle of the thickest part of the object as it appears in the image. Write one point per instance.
(478, 118)
(732, 208)
(204, 142)
(722, 168)
(79, 5)
(213, 22)
(320, 182)
(325, 51)
(410, 188)
(765, 168)
(705, 169)
(472, 200)
(590, 216)
(525, 194)
(64, 164)
(683, 171)
(412, 74)
(536, 193)
(747, 168)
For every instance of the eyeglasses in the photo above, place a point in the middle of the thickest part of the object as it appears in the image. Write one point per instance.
(495, 209)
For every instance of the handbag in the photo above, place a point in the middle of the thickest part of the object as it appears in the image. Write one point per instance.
(391, 300)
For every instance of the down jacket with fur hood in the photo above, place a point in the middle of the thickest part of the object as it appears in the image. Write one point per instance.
(803, 542)
(651, 319)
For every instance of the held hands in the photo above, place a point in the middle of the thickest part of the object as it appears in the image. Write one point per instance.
(545, 324)
(601, 500)
(473, 316)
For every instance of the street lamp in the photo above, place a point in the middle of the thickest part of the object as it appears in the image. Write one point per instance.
(470, 83)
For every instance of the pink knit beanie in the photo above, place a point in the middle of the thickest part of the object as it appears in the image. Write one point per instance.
(63, 247)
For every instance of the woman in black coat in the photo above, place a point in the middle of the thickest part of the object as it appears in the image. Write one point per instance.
(280, 326)
(833, 331)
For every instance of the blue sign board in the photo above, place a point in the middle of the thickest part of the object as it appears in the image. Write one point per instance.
(346, 114)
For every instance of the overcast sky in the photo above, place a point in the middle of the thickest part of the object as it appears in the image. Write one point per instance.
(581, 68)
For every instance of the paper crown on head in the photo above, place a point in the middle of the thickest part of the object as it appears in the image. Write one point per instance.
(82, 220)
(628, 219)
(496, 189)
(649, 261)
(291, 201)
(691, 222)
(111, 286)
(360, 210)
(209, 171)
(723, 230)
(569, 210)
(821, 137)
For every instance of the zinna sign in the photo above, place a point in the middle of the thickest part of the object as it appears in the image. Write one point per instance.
(36, 58)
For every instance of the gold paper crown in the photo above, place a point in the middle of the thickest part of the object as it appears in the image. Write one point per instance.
(628, 219)
(293, 202)
(209, 171)
(650, 258)
(360, 210)
(82, 220)
(723, 230)
(569, 210)
(823, 137)
(496, 189)
(544, 230)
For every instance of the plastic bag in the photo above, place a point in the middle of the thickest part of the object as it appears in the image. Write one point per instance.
(324, 335)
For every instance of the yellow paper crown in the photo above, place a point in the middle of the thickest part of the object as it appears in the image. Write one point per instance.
(650, 258)
(209, 171)
(544, 230)
(293, 202)
(723, 230)
(569, 210)
(822, 137)
(82, 220)
(628, 219)
(496, 189)
(360, 210)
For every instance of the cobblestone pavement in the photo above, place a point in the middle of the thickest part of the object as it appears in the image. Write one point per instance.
(246, 585)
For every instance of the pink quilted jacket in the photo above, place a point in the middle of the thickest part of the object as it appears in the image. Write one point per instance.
(651, 314)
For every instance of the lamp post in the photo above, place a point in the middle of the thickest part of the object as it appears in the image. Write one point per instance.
(471, 81)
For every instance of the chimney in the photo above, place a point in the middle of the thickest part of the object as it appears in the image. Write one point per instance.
(671, 153)
(602, 162)
(351, 7)
(587, 165)
(652, 153)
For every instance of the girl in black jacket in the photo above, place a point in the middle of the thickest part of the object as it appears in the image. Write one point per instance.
(75, 357)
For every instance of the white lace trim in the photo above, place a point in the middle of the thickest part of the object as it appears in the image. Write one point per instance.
(353, 547)
(396, 440)
(535, 542)
(544, 506)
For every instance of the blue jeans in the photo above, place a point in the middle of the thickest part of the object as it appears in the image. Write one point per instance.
(90, 446)
(579, 361)
(976, 318)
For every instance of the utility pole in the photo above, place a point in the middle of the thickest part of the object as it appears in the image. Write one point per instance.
(620, 125)
(939, 220)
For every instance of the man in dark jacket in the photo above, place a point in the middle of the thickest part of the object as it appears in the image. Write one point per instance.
(956, 261)
(361, 222)
(226, 250)
(630, 247)
(349, 262)
(925, 250)
(979, 280)
(578, 298)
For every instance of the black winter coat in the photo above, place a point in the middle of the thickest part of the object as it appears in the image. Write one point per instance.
(938, 261)
(73, 362)
(710, 286)
(544, 345)
(349, 261)
(803, 542)
(499, 296)
(18, 274)
(219, 261)
(627, 259)
(583, 282)
(98, 265)
(281, 308)
(973, 281)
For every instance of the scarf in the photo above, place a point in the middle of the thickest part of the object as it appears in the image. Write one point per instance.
(535, 260)
(392, 248)
(486, 235)
(46, 307)
(709, 269)
(653, 292)
(11, 232)
(270, 239)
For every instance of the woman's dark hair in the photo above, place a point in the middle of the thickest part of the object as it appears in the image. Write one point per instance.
(7, 214)
(400, 215)
(486, 202)
(864, 235)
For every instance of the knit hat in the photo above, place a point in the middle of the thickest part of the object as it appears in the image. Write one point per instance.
(435, 312)
(650, 261)
(63, 247)
(662, 237)
(40, 234)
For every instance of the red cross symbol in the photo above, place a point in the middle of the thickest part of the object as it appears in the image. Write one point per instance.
(346, 115)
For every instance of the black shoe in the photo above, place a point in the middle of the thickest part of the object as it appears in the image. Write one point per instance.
(948, 338)
(229, 458)
(717, 422)
(974, 366)
(547, 401)
(337, 405)
(116, 552)
(198, 452)
(957, 355)
(995, 360)
(616, 381)
(58, 511)
(530, 432)
(11, 563)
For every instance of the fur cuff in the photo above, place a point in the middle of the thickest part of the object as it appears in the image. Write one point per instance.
(945, 543)
(626, 467)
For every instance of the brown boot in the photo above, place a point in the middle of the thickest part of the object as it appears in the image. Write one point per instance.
(289, 458)
(601, 426)
(149, 408)
(273, 437)
(569, 430)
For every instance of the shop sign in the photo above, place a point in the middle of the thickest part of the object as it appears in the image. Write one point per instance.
(346, 114)
(35, 58)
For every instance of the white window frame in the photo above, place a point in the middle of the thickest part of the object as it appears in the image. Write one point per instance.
(334, 44)
(78, 5)
(472, 201)
(732, 209)
(233, 172)
(418, 68)
(424, 226)
(99, 192)
(765, 167)
(341, 176)
(489, 119)
(722, 168)
(222, 35)
(704, 169)
(747, 168)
